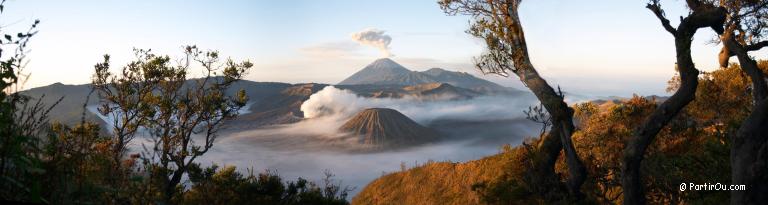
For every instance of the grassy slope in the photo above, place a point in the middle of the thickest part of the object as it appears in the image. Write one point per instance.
(435, 183)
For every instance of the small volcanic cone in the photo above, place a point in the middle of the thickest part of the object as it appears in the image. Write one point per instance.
(383, 127)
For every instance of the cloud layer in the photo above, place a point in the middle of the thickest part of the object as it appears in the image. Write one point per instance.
(301, 149)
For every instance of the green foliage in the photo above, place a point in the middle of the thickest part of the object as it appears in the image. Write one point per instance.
(19, 119)
(77, 164)
(693, 148)
(152, 93)
(232, 187)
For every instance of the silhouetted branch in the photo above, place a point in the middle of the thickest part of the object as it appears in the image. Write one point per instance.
(656, 9)
(756, 46)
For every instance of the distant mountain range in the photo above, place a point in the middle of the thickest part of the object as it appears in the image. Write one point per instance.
(73, 98)
(281, 106)
(279, 103)
(426, 91)
(385, 71)
(71, 109)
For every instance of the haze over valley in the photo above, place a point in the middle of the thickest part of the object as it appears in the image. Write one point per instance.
(302, 130)
(384, 102)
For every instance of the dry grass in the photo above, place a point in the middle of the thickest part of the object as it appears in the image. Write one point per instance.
(436, 182)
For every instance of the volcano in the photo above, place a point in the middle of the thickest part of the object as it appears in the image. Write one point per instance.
(383, 127)
(386, 71)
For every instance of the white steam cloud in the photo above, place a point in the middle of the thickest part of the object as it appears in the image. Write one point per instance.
(342, 104)
(376, 38)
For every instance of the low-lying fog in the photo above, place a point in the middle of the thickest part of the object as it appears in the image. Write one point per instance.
(473, 129)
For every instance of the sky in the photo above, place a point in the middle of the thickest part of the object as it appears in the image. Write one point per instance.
(602, 48)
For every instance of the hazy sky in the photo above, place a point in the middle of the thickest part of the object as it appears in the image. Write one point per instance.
(605, 47)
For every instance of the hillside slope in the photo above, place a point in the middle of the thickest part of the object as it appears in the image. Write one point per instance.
(279, 107)
(464, 80)
(437, 182)
(70, 110)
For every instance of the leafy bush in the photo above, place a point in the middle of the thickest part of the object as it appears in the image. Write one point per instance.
(232, 187)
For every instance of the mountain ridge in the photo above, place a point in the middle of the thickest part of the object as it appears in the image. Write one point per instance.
(386, 71)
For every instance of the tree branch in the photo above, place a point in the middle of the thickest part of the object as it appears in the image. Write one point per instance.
(756, 46)
(656, 9)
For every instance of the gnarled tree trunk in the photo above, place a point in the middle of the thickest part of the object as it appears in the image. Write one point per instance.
(749, 148)
(562, 115)
(543, 170)
(498, 23)
(749, 155)
(562, 120)
(703, 15)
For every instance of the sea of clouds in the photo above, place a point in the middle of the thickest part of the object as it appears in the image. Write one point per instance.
(294, 150)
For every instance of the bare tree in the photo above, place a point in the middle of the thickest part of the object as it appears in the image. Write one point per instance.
(498, 23)
(703, 14)
(745, 28)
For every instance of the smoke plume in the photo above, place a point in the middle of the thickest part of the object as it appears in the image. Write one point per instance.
(376, 38)
(332, 101)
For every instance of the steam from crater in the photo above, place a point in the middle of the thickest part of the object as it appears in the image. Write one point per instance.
(376, 38)
(342, 104)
